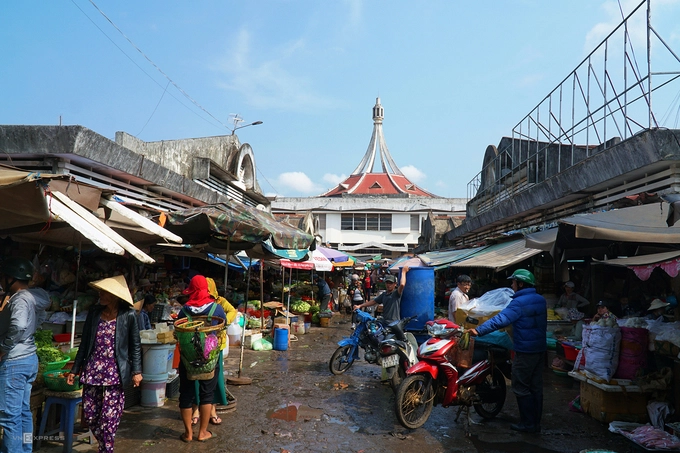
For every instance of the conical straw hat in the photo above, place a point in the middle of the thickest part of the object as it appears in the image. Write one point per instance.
(116, 286)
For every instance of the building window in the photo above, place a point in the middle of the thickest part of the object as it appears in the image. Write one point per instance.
(415, 222)
(366, 222)
(320, 221)
(347, 221)
(372, 222)
(385, 222)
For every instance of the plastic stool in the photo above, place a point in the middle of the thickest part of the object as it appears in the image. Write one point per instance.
(68, 402)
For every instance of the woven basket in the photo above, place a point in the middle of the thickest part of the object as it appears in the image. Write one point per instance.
(192, 336)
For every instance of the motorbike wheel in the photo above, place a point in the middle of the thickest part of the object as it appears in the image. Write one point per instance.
(341, 360)
(397, 378)
(414, 401)
(492, 393)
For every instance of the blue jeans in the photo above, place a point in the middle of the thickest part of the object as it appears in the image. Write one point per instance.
(16, 378)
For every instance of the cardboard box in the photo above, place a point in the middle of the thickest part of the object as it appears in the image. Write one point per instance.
(165, 337)
(251, 338)
(609, 403)
(471, 319)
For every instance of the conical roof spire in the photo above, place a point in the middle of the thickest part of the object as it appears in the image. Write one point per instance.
(377, 145)
(364, 182)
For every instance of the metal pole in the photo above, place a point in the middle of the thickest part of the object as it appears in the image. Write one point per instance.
(261, 292)
(226, 269)
(243, 331)
(649, 62)
(75, 300)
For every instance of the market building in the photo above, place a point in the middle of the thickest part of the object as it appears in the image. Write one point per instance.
(374, 212)
(584, 195)
(81, 207)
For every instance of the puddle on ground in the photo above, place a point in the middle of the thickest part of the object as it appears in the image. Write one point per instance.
(336, 421)
(507, 447)
(295, 412)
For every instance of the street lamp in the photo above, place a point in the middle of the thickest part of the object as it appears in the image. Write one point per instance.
(245, 125)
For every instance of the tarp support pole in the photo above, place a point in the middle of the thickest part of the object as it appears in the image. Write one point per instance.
(75, 301)
(261, 293)
(226, 268)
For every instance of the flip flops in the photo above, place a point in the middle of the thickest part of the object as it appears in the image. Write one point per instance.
(215, 420)
(212, 436)
(184, 439)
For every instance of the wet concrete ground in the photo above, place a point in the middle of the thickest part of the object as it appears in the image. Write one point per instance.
(295, 404)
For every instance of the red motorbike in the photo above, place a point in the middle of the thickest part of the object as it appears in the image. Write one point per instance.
(447, 374)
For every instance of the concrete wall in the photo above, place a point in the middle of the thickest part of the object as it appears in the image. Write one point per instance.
(177, 155)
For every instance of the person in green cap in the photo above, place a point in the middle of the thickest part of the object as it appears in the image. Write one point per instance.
(528, 314)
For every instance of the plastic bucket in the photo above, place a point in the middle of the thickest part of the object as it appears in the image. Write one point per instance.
(324, 322)
(153, 389)
(418, 297)
(281, 339)
(176, 357)
(157, 358)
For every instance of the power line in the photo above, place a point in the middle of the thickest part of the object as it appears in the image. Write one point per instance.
(184, 93)
(265, 178)
(154, 110)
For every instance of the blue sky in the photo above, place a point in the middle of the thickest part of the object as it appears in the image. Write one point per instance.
(453, 76)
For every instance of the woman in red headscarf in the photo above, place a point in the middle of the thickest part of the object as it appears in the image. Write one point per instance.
(200, 303)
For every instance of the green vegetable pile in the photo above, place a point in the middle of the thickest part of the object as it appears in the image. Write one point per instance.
(43, 338)
(47, 354)
(314, 309)
(300, 306)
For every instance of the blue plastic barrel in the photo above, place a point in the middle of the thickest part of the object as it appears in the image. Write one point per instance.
(281, 339)
(418, 297)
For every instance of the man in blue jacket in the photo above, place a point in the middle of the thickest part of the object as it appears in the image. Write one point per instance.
(527, 312)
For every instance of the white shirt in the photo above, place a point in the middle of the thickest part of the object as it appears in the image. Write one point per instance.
(456, 299)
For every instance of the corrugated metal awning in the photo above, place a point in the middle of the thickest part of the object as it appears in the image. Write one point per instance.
(498, 256)
(443, 259)
(542, 240)
(641, 260)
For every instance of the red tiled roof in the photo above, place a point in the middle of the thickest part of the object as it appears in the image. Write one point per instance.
(377, 184)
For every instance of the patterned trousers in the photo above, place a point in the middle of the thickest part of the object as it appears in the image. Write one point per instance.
(102, 409)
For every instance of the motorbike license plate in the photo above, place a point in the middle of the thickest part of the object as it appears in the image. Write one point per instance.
(390, 361)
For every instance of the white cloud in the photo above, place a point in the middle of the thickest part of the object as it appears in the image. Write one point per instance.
(334, 179)
(615, 15)
(269, 84)
(413, 174)
(299, 182)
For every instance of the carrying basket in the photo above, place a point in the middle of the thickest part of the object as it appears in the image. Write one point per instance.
(462, 357)
(195, 334)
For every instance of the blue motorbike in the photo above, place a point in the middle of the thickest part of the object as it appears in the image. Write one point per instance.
(367, 335)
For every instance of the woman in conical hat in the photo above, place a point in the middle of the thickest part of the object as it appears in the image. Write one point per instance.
(105, 370)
